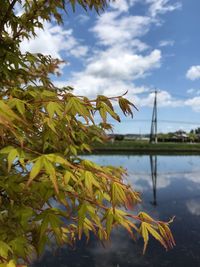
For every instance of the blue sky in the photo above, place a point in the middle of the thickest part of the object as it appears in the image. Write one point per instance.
(135, 45)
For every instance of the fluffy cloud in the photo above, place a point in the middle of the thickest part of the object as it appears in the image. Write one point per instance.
(111, 28)
(162, 6)
(194, 103)
(119, 56)
(93, 86)
(164, 99)
(112, 71)
(124, 58)
(122, 5)
(52, 41)
(193, 73)
(123, 65)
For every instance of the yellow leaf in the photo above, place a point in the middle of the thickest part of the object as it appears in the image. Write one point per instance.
(88, 181)
(6, 149)
(11, 264)
(4, 108)
(145, 235)
(144, 216)
(67, 177)
(57, 159)
(156, 235)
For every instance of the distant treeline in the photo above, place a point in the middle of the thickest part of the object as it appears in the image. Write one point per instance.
(178, 136)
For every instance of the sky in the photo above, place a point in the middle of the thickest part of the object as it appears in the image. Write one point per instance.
(135, 45)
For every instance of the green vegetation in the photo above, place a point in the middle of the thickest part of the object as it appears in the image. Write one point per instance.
(138, 147)
(48, 194)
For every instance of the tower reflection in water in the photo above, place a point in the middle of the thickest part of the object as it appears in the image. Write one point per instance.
(153, 164)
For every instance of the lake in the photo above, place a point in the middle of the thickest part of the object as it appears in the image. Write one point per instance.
(170, 185)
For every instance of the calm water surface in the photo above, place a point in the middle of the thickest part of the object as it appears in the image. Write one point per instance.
(170, 185)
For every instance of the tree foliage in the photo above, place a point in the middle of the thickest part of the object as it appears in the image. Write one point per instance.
(48, 193)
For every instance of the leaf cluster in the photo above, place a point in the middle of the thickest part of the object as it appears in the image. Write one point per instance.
(48, 193)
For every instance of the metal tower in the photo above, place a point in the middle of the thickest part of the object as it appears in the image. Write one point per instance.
(153, 134)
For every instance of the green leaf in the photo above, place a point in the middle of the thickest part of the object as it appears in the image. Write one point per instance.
(37, 167)
(4, 249)
(112, 113)
(109, 221)
(52, 173)
(6, 149)
(21, 107)
(81, 217)
(52, 108)
(103, 112)
(11, 157)
(19, 245)
(18, 103)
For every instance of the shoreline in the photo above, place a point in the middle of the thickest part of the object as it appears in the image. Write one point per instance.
(148, 149)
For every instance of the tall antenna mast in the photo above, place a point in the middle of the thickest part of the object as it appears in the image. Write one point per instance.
(153, 134)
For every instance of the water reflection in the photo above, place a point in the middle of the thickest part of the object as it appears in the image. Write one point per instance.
(153, 163)
(170, 186)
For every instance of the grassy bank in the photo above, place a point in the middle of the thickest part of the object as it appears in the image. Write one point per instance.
(142, 147)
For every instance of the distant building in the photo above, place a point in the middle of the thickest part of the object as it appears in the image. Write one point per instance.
(181, 136)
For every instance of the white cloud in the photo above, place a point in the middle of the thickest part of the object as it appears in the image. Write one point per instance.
(78, 51)
(124, 57)
(119, 55)
(52, 41)
(82, 18)
(116, 64)
(112, 71)
(193, 206)
(162, 6)
(193, 73)
(164, 99)
(92, 86)
(193, 91)
(123, 5)
(194, 103)
(111, 29)
(164, 43)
